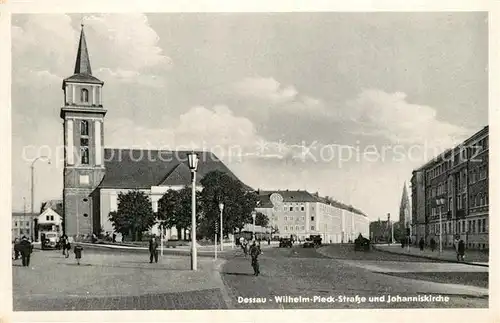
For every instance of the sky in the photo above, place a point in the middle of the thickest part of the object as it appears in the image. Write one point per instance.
(343, 104)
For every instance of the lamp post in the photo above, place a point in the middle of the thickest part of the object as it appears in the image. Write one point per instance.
(440, 203)
(254, 214)
(193, 166)
(221, 209)
(33, 190)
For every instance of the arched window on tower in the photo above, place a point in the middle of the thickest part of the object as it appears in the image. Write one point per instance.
(84, 95)
(84, 128)
(85, 155)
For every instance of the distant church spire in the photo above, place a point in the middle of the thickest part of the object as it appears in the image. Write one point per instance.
(404, 208)
(82, 65)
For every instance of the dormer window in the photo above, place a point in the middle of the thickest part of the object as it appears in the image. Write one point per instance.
(84, 95)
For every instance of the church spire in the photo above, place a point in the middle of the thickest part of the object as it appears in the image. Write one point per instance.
(82, 65)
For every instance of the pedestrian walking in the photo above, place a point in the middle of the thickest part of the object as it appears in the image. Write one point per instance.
(455, 244)
(153, 250)
(78, 253)
(461, 250)
(16, 249)
(255, 251)
(433, 244)
(421, 244)
(26, 248)
(63, 242)
(114, 237)
(67, 247)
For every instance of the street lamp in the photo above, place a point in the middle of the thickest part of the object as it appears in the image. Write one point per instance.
(254, 214)
(193, 166)
(221, 208)
(33, 190)
(440, 203)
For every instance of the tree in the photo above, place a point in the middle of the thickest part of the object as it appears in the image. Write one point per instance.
(134, 215)
(174, 209)
(261, 219)
(238, 203)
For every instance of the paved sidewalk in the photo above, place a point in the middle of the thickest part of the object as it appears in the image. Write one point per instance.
(116, 281)
(472, 257)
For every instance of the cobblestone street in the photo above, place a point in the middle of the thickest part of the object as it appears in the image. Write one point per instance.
(300, 272)
(115, 281)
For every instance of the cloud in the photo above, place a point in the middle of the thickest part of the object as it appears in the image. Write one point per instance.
(265, 88)
(122, 48)
(200, 127)
(390, 115)
(128, 41)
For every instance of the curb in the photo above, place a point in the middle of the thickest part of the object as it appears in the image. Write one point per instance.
(166, 251)
(430, 258)
(226, 294)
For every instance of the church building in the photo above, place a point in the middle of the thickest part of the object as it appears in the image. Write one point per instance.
(95, 175)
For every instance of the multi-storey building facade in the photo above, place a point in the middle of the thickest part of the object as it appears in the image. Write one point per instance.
(300, 213)
(458, 179)
(21, 224)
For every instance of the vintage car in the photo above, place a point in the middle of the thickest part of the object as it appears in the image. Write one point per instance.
(316, 238)
(285, 243)
(361, 244)
(50, 240)
(309, 243)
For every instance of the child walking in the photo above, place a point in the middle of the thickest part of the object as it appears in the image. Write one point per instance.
(78, 253)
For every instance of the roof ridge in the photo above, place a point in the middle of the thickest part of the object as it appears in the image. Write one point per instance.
(171, 172)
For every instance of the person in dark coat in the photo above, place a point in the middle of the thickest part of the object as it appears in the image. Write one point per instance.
(153, 250)
(62, 243)
(26, 248)
(461, 250)
(114, 237)
(16, 249)
(421, 244)
(255, 251)
(78, 253)
(67, 246)
(433, 244)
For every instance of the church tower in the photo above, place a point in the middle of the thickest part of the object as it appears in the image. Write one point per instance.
(83, 116)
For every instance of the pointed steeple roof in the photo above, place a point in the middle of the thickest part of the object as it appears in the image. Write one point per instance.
(404, 198)
(82, 65)
(83, 71)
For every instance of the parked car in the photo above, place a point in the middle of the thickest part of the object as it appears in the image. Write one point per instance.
(308, 243)
(50, 240)
(361, 244)
(285, 243)
(316, 238)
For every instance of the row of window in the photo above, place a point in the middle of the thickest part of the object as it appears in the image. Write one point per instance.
(290, 218)
(21, 223)
(295, 208)
(297, 228)
(24, 231)
(478, 200)
(478, 174)
(463, 226)
(464, 153)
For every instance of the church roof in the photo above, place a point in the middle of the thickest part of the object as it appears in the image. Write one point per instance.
(83, 70)
(141, 169)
